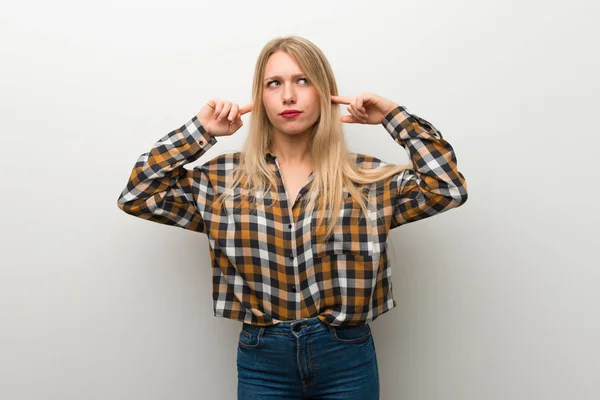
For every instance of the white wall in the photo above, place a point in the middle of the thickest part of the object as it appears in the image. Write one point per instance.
(498, 299)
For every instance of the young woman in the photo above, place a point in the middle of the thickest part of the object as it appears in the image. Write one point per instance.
(297, 225)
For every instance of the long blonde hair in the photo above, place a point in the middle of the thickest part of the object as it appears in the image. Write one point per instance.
(334, 168)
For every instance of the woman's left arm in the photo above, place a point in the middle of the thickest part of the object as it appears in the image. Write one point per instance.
(433, 184)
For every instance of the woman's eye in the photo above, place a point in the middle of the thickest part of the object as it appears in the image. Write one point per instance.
(276, 81)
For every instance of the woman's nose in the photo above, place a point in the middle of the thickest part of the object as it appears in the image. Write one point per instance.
(288, 94)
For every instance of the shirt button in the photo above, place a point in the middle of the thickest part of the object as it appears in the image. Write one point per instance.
(294, 288)
(201, 143)
(291, 256)
(290, 226)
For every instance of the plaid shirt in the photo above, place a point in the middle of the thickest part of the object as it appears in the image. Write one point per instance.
(269, 264)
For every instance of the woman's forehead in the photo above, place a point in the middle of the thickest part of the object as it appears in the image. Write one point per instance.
(282, 65)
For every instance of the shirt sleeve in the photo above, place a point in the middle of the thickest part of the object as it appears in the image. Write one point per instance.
(433, 184)
(160, 189)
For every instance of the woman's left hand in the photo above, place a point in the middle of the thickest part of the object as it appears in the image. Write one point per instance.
(368, 108)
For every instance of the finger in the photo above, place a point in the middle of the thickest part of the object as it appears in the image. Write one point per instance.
(358, 102)
(218, 107)
(341, 99)
(246, 109)
(350, 109)
(233, 113)
(356, 115)
(360, 107)
(367, 98)
(236, 124)
(225, 111)
(349, 119)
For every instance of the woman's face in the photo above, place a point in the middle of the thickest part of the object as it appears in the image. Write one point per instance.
(285, 87)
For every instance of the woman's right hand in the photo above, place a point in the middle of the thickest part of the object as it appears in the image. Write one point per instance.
(222, 118)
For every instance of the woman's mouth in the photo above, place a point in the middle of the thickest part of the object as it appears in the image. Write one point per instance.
(290, 114)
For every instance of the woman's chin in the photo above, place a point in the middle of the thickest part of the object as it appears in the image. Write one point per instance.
(294, 131)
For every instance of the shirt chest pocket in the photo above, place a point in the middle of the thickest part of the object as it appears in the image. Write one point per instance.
(352, 234)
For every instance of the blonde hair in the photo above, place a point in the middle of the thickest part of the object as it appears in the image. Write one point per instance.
(334, 168)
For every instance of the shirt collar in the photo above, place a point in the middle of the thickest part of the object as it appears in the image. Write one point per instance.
(269, 154)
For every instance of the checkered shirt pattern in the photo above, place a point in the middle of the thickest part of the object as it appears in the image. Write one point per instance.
(269, 262)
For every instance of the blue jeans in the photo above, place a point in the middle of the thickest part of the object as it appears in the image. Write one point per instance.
(307, 359)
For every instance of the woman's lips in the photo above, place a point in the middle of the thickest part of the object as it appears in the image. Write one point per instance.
(290, 114)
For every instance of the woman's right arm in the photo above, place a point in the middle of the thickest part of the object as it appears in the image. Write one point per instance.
(160, 189)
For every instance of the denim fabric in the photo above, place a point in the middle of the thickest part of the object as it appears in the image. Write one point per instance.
(307, 359)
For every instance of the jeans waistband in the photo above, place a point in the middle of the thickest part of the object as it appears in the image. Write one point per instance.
(305, 325)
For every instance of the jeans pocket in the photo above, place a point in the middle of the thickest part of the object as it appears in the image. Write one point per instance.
(351, 334)
(250, 337)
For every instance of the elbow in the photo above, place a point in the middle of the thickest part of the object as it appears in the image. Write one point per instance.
(454, 195)
(462, 199)
(460, 195)
(122, 202)
(131, 207)
(121, 206)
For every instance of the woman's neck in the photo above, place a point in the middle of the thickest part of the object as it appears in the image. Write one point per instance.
(292, 149)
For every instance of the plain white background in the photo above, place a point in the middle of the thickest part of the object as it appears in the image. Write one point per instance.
(498, 299)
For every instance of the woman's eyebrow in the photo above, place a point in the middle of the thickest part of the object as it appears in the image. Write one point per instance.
(277, 76)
